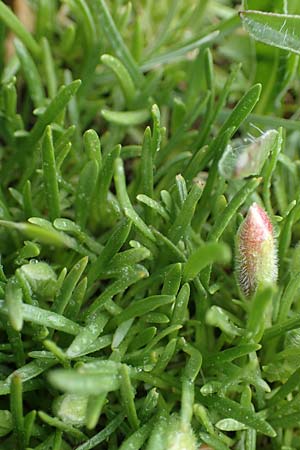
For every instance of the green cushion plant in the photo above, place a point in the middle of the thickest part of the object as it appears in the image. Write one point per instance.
(149, 221)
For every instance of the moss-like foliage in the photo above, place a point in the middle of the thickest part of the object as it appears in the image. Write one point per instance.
(134, 138)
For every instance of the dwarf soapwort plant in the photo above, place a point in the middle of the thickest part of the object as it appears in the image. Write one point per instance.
(149, 270)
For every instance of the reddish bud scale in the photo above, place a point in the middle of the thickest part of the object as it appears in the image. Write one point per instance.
(256, 253)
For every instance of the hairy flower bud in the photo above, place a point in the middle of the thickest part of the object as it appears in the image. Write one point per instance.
(180, 436)
(256, 253)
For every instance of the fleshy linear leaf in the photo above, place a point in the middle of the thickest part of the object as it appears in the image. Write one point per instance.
(46, 318)
(227, 407)
(12, 22)
(84, 383)
(205, 255)
(126, 118)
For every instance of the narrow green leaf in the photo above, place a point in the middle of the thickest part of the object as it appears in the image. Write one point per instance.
(289, 386)
(212, 440)
(154, 205)
(218, 145)
(113, 245)
(258, 314)
(49, 68)
(68, 286)
(171, 330)
(44, 317)
(47, 236)
(26, 373)
(126, 118)
(89, 26)
(281, 328)
(31, 74)
(93, 146)
(127, 395)
(266, 121)
(231, 409)
(157, 130)
(149, 405)
(57, 352)
(125, 203)
(230, 354)
(138, 438)
(170, 249)
(285, 420)
(220, 318)
(288, 297)
(122, 75)
(143, 306)
(104, 21)
(232, 207)
(286, 231)
(180, 306)
(16, 406)
(172, 280)
(13, 301)
(137, 44)
(185, 215)
(179, 54)
(54, 422)
(85, 190)
(230, 425)
(27, 200)
(86, 336)
(129, 276)
(146, 170)
(12, 22)
(269, 170)
(237, 116)
(278, 30)
(219, 106)
(143, 338)
(104, 434)
(131, 151)
(165, 357)
(64, 139)
(105, 178)
(73, 308)
(207, 254)
(29, 420)
(120, 333)
(14, 338)
(54, 108)
(94, 409)
(84, 383)
(50, 175)
(57, 440)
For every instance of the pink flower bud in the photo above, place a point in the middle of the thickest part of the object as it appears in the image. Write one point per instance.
(256, 252)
